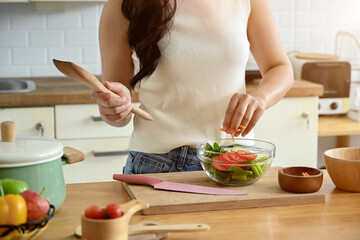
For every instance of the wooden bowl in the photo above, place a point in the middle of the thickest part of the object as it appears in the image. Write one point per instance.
(291, 179)
(343, 166)
(111, 229)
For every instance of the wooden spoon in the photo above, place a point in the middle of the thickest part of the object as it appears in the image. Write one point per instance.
(152, 227)
(81, 75)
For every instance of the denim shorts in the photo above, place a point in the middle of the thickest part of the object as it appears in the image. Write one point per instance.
(177, 160)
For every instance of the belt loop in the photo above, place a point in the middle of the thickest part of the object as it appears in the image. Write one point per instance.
(182, 158)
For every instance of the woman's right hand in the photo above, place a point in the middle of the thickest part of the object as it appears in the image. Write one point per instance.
(115, 109)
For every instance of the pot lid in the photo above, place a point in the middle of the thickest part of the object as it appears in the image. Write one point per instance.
(16, 151)
(29, 150)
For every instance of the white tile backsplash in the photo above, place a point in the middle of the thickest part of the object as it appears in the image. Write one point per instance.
(64, 21)
(9, 39)
(5, 57)
(72, 34)
(14, 71)
(48, 38)
(81, 38)
(28, 21)
(30, 56)
(72, 54)
(4, 22)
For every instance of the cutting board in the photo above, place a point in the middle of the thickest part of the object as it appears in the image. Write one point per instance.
(266, 192)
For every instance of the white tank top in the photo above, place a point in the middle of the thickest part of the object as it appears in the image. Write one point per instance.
(202, 65)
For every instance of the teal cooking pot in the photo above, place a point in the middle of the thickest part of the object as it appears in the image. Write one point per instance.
(38, 161)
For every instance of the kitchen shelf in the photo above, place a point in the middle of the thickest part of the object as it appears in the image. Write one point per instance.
(340, 126)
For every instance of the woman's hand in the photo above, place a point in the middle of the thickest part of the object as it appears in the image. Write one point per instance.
(244, 110)
(114, 108)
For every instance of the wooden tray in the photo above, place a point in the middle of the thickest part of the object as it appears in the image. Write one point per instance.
(264, 193)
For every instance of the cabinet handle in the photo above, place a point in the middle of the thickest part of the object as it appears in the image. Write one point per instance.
(110, 153)
(40, 128)
(305, 114)
(96, 119)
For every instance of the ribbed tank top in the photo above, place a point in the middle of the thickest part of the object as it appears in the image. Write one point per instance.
(202, 65)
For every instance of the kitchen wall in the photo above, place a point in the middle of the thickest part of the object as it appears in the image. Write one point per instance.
(30, 36)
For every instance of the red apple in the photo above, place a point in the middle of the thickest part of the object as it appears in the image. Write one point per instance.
(37, 206)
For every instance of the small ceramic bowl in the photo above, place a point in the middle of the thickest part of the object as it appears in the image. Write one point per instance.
(300, 179)
(343, 166)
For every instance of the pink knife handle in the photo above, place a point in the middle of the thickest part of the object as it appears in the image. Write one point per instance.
(136, 179)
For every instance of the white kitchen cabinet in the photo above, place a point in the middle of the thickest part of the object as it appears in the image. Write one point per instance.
(292, 125)
(82, 121)
(34, 121)
(103, 158)
(105, 147)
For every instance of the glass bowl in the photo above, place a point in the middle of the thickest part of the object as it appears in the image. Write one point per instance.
(237, 163)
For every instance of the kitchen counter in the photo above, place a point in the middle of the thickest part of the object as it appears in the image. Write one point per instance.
(338, 218)
(62, 90)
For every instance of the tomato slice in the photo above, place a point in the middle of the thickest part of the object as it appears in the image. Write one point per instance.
(229, 159)
(219, 164)
(246, 155)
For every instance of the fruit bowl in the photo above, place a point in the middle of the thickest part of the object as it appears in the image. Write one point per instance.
(236, 162)
(26, 231)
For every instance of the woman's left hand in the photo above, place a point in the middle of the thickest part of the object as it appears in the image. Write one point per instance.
(243, 110)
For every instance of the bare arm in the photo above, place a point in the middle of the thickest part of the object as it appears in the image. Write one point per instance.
(117, 65)
(275, 67)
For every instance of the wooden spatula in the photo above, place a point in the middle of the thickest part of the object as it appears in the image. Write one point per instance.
(83, 76)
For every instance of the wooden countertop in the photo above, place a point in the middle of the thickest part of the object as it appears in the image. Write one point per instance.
(62, 90)
(337, 126)
(338, 218)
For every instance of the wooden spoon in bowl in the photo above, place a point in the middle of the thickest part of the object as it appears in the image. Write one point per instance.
(83, 76)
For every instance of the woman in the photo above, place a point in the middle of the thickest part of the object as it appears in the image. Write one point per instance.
(186, 59)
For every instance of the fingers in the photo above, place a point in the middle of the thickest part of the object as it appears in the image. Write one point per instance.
(115, 114)
(232, 106)
(118, 89)
(113, 108)
(244, 111)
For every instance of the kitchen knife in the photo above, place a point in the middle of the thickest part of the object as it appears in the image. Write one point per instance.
(172, 186)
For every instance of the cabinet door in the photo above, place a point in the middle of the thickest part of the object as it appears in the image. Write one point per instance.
(81, 121)
(292, 125)
(33, 121)
(103, 158)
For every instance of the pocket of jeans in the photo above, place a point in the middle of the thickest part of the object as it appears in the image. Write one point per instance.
(148, 165)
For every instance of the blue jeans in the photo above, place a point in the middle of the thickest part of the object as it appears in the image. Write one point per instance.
(177, 160)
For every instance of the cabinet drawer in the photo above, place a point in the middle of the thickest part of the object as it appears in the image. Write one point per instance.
(103, 158)
(83, 121)
(34, 121)
(292, 126)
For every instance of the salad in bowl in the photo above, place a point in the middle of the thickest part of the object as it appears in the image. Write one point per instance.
(236, 161)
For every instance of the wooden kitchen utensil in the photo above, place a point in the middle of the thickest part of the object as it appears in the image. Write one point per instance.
(152, 227)
(83, 76)
(119, 229)
(111, 229)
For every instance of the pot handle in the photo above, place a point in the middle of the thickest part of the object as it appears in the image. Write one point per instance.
(72, 155)
(8, 131)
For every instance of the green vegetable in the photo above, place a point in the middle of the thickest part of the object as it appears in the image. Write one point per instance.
(239, 170)
(13, 186)
(234, 149)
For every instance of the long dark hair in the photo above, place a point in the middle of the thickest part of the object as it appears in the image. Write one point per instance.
(148, 22)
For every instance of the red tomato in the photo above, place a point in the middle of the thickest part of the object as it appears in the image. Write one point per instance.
(246, 155)
(218, 163)
(228, 159)
(113, 211)
(94, 212)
